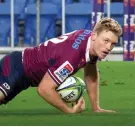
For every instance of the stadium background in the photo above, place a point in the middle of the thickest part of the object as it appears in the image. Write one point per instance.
(23, 24)
(26, 23)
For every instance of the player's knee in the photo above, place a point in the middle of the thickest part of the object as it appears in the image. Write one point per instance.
(2, 96)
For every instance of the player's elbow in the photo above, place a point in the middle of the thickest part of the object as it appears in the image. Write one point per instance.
(41, 91)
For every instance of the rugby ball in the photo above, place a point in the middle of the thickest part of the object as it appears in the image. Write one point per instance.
(71, 89)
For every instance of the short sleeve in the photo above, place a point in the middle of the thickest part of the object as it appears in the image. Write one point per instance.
(60, 73)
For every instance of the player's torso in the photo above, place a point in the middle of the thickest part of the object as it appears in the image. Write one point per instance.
(60, 56)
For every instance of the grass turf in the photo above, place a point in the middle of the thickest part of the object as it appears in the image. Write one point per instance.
(117, 92)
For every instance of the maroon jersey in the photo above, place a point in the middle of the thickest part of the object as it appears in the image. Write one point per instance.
(60, 57)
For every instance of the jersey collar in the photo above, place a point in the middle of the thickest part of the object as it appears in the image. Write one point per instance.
(87, 54)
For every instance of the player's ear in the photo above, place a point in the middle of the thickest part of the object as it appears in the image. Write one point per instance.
(93, 36)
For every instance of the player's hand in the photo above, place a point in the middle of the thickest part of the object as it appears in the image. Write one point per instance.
(80, 106)
(103, 111)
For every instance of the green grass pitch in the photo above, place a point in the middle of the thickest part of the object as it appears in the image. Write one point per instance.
(117, 92)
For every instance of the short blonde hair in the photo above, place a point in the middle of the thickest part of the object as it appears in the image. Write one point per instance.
(108, 24)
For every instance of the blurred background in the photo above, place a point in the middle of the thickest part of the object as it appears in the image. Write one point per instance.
(26, 23)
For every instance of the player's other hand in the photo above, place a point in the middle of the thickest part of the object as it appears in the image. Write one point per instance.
(79, 106)
(103, 111)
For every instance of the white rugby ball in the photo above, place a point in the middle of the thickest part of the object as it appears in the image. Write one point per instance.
(71, 89)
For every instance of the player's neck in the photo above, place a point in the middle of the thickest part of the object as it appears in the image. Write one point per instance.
(92, 52)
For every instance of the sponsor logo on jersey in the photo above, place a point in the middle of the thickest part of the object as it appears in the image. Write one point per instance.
(64, 71)
(81, 37)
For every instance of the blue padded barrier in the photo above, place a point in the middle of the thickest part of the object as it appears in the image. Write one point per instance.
(78, 16)
(5, 23)
(47, 23)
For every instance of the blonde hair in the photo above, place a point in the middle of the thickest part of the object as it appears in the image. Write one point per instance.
(108, 24)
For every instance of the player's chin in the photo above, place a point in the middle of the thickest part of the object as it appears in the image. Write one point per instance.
(102, 56)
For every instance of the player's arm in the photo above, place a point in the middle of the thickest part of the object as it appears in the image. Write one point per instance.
(92, 83)
(47, 90)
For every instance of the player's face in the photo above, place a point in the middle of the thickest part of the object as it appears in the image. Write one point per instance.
(104, 43)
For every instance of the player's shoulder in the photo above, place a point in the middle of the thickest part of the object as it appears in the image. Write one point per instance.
(79, 34)
(80, 31)
(84, 31)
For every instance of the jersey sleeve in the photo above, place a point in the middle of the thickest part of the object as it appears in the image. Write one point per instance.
(50, 72)
(60, 73)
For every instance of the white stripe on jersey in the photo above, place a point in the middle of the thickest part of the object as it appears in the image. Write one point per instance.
(22, 55)
(3, 90)
(87, 53)
(53, 77)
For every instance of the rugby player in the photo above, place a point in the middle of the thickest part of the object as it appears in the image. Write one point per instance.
(49, 64)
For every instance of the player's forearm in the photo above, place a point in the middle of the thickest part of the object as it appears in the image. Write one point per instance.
(52, 97)
(93, 93)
